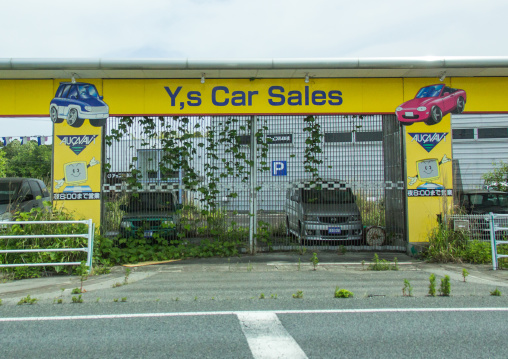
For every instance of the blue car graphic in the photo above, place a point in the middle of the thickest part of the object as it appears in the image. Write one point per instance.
(77, 101)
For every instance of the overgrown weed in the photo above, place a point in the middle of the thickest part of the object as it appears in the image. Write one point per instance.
(342, 293)
(382, 264)
(447, 245)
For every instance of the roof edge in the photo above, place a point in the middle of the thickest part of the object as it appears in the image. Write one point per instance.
(428, 62)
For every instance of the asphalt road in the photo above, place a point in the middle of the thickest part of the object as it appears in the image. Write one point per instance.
(438, 333)
(245, 308)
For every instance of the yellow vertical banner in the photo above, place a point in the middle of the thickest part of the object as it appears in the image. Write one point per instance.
(77, 169)
(429, 176)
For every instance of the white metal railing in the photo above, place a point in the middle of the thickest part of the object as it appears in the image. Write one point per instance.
(492, 227)
(498, 223)
(89, 248)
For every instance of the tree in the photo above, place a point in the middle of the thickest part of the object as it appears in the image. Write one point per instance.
(27, 160)
(3, 163)
(497, 178)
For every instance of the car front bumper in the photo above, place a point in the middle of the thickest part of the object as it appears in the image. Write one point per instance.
(95, 116)
(412, 115)
(149, 233)
(327, 232)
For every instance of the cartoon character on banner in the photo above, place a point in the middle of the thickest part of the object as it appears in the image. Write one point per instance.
(428, 171)
(76, 173)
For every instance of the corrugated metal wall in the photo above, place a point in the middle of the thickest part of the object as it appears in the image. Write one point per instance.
(479, 141)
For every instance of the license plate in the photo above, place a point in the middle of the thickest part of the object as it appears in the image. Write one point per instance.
(334, 230)
(410, 114)
(148, 234)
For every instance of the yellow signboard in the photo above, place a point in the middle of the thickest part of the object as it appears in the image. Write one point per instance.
(77, 147)
(257, 96)
(77, 168)
(240, 96)
(429, 179)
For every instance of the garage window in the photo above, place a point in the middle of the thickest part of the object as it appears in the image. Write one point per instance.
(338, 137)
(463, 134)
(495, 132)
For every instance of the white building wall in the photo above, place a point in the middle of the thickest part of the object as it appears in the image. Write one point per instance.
(478, 155)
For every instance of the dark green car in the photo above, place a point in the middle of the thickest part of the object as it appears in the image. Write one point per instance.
(151, 215)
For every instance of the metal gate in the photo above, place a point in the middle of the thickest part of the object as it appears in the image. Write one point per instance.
(273, 182)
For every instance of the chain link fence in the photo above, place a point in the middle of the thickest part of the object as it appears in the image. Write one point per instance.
(270, 182)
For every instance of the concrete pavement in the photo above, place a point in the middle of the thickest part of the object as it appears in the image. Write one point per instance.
(276, 269)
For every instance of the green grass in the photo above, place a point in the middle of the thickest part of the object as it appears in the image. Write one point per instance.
(382, 264)
(342, 293)
(298, 294)
(27, 300)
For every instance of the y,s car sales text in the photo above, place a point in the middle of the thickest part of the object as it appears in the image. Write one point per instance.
(277, 96)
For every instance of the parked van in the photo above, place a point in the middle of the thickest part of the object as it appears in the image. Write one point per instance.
(322, 211)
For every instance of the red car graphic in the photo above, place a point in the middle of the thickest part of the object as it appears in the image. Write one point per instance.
(430, 104)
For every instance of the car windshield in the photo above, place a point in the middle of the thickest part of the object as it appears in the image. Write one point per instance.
(429, 91)
(326, 196)
(8, 191)
(149, 202)
(87, 91)
(489, 200)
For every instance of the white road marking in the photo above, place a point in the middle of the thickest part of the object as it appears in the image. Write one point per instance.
(267, 337)
(327, 264)
(191, 314)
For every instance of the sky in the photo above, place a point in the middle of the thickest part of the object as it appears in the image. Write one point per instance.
(235, 29)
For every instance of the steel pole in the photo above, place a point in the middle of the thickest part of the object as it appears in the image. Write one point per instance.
(253, 185)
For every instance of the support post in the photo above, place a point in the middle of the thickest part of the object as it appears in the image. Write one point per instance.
(493, 245)
(253, 184)
(90, 245)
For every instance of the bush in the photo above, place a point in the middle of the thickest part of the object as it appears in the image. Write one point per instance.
(106, 250)
(141, 249)
(38, 214)
(447, 245)
(373, 212)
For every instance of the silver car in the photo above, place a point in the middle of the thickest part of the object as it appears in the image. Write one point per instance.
(324, 211)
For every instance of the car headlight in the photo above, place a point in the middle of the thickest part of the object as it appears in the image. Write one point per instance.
(7, 216)
(355, 218)
(88, 108)
(422, 108)
(126, 225)
(310, 218)
(398, 109)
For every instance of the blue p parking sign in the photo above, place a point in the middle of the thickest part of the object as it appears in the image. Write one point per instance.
(279, 168)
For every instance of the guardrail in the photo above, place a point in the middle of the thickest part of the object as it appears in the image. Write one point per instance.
(495, 220)
(88, 249)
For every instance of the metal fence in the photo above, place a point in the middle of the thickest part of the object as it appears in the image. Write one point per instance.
(88, 249)
(490, 227)
(239, 176)
(498, 236)
(478, 226)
